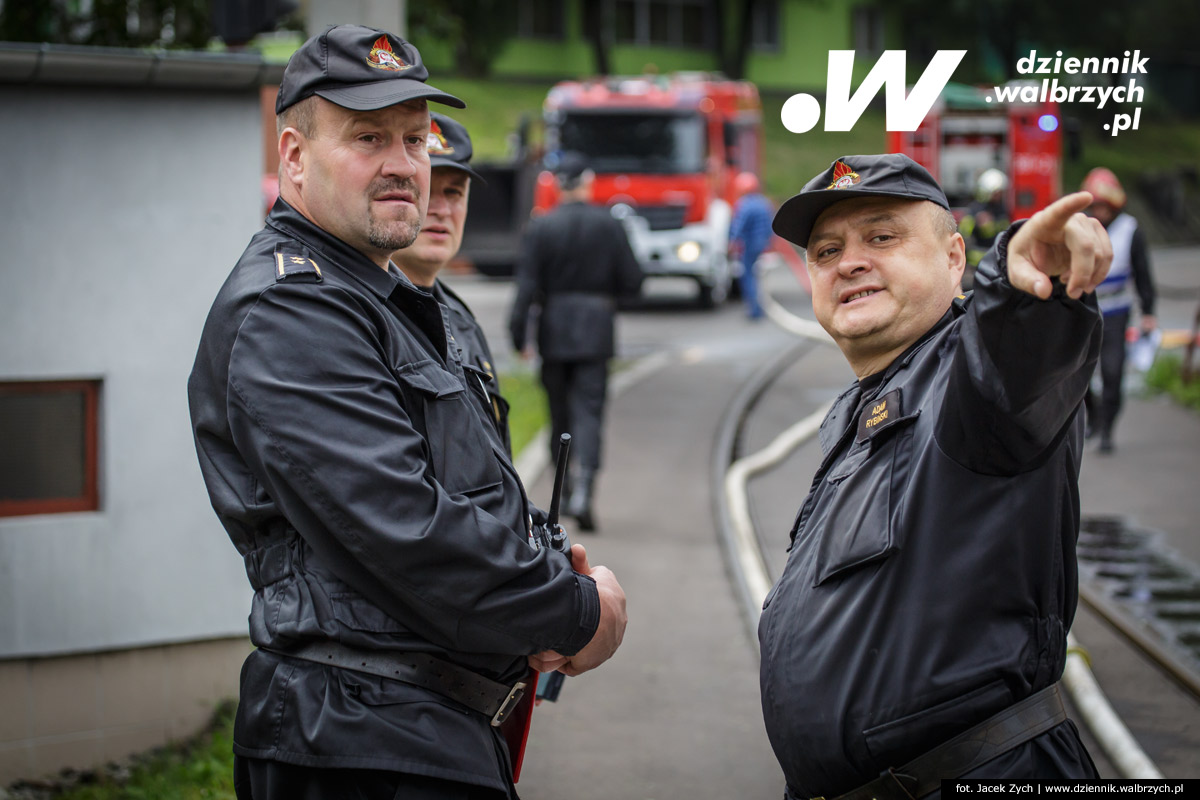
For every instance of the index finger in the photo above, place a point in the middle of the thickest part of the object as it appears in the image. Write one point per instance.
(1060, 211)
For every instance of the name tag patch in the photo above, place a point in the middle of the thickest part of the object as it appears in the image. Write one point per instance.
(879, 415)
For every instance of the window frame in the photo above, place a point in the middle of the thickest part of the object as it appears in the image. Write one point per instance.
(767, 18)
(524, 23)
(642, 11)
(89, 498)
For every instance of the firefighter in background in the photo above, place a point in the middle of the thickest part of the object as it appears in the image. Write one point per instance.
(1131, 263)
(986, 217)
(749, 234)
(575, 263)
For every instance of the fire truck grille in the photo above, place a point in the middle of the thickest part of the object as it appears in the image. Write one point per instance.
(662, 218)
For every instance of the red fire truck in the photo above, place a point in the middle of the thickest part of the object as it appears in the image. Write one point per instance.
(665, 150)
(965, 134)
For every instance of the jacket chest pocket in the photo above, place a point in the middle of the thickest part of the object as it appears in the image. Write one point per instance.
(459, 450)
(862, 521)
(495, 407)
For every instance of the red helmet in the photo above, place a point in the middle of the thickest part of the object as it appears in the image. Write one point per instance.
(744, 183)
(1104, 186)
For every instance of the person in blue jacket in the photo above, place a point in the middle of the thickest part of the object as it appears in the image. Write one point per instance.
(749, 235)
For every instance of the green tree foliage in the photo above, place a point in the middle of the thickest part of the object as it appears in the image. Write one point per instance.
(30, 21)
(479, 30)
(111, 23)
(996, 33)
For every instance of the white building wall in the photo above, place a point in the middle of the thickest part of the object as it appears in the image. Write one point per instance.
(121, 212)
(387, 15)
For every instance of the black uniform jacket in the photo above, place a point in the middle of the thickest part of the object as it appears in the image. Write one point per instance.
(932, 575)
(373, 503)
(476, 357)
(575, 263)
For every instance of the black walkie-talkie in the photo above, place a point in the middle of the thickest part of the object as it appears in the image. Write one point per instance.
(556, 538)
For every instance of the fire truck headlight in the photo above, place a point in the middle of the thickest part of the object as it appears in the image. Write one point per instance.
(688, 252)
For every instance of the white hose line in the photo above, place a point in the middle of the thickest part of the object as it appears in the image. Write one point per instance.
(749, 552)
(805, 328)
(1114, 738)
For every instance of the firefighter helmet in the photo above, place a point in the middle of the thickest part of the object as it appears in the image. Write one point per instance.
(1104, 186)
(988, 183)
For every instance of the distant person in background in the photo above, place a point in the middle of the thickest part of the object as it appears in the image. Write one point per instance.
(575, 263)
(749, 234)
(438, 243)
(1131, 264)
(984, 220)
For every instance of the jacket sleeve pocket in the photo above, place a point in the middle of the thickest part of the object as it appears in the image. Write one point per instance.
(864, 513)
(460, 452)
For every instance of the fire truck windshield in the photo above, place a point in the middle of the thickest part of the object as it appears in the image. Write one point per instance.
(636, 141)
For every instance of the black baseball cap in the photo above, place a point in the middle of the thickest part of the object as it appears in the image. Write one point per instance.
(358, 68)
(889, 175)
(449, 145)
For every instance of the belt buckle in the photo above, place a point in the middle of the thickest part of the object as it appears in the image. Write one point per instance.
(510, 702)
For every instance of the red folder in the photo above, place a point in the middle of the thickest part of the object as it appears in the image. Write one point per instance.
(515, 728)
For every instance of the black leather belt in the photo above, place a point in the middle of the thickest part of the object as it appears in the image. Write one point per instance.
(488, 697)
(976, 746)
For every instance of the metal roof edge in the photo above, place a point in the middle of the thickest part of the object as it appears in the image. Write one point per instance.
(78, 65)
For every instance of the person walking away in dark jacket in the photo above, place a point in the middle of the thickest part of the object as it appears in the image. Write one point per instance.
(749, 234)
(575, 264)
(1130, 271)
(400, 600)
(932, 577)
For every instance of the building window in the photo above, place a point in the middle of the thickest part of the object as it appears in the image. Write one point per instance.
(764, 25)
(677, 23)
(540, 19)
(48, 459)
(868, 30)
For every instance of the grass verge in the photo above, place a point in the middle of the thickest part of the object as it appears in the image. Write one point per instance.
(527, 409)
(200, 768)
(1165, 376)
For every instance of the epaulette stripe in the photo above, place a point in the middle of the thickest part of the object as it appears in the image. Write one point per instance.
(288, 264)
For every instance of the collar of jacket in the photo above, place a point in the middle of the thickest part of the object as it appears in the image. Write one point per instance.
(290, 222)
(958, 307)
(391, 285)
(837, 422)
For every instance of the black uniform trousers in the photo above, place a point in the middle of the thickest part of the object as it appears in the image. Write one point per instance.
(260, 779)
(1112, 373)
(576, 391)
